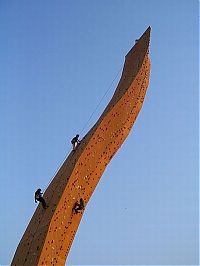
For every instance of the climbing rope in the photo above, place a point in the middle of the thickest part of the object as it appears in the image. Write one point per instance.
(109, 87)
(87, 122)
(58, 168)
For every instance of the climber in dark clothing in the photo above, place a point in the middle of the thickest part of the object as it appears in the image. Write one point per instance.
(75, 141)
(79, 206)
(38, 197)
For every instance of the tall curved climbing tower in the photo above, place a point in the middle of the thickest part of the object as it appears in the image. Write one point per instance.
(50, 233)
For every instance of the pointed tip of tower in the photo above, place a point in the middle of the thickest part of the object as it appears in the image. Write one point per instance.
(146, 34)
(149, 28)
(143, 41)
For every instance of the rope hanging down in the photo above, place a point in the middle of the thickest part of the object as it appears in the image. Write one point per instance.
(109, 87)
(90, 117)
(80, 133)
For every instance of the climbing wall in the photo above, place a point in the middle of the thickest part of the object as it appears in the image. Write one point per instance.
(50, 233)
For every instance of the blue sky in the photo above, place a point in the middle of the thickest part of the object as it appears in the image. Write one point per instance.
(58, 58)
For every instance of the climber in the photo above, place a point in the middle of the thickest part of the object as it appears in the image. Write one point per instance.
(78, 206)
(38, 197)
(136, 40)
(75, 141)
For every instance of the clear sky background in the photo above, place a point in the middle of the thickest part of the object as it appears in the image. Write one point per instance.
(58, 58)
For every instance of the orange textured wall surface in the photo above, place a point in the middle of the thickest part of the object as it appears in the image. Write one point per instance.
(50, 233)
